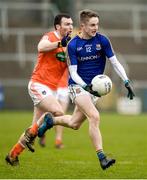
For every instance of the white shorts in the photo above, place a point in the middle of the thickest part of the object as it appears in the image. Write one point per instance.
(39, 91)
(76, 90)
(62, 94)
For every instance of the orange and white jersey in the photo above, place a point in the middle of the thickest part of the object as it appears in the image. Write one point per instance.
(50, 65)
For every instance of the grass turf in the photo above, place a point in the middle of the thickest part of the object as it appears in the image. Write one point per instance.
(124, 138)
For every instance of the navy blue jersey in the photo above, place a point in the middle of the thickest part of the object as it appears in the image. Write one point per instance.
(89, 56)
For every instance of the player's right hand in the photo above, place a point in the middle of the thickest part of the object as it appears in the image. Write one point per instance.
(65, 40)
(131, 94)
(88, 88)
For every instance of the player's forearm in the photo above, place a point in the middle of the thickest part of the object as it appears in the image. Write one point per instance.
(74, 75)
(118, 68)
(45, 46)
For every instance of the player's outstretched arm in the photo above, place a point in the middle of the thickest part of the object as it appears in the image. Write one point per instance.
(121, 72)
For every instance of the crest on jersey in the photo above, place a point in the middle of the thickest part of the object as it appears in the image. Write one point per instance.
(98, 47)
(44, 92)
(61, 56)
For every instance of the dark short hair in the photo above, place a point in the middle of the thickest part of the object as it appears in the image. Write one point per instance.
(58, 18)
(86, 14)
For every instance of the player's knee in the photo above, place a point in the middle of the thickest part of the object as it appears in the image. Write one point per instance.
(75, 126)
(95, 119)
(58, 113)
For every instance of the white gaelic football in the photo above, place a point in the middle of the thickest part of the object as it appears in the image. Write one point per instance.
(101, 84)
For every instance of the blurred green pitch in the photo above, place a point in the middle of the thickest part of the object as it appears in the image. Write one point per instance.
(124, 137)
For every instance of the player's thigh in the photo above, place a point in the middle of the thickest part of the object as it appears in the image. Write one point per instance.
(84, 100)
(64, 105)
(37, 114)
(51, 104)
(44, 98)
(86, 105)
(63, 97)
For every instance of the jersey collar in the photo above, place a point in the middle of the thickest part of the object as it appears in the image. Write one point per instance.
(57, 35)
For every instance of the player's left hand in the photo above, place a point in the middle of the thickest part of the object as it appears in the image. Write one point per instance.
(88, 88)
(130, 90)
(65, 40)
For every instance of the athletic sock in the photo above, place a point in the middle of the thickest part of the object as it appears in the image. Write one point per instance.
(34, 129)
(100, 154)
(16, 150)
(58, 141)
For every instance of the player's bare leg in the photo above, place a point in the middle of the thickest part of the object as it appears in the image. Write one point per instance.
(58, 137)
(64, 101)
(38, 112)
(18, 148)
(26, 140)
(12, 157)
(54, 108)
(94, 120)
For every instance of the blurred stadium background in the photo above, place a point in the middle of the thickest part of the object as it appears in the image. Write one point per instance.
(22, 23)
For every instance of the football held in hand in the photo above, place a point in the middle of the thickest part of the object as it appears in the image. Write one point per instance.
(101, 84)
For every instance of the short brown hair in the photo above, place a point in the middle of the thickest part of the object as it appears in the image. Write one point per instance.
(58, 18)
(86, 14)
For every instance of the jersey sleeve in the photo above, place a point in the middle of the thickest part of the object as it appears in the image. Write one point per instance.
(46, 36)
(107, 47)
(71, 53)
